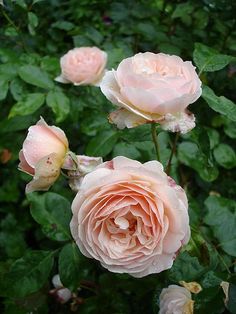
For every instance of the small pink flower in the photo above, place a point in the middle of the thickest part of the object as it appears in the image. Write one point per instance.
(130, 217)
(83, 66)
(42, 155)
(152, 87)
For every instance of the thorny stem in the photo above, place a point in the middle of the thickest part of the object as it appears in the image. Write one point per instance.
(155, 141)
(173, 151)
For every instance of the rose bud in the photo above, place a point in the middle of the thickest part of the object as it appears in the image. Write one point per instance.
(42, 155)
(151, 87)
(175, 299)
(82, 66)
(62, 294)
(130, 216)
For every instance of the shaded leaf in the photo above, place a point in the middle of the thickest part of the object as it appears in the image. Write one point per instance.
(219, 104)
(52, 211)
(33, 75)
(59, 103)
(29, 104)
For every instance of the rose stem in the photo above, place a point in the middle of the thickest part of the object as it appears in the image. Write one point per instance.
(155, 141)
(173, 151)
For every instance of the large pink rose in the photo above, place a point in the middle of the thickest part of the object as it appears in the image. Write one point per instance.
(152, 87)
(131, 217)
(42, 155)
(83, 66)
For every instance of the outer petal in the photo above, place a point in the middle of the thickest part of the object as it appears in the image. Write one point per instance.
(23, 165)
(47, 171)
(182, 122)
(123, 118)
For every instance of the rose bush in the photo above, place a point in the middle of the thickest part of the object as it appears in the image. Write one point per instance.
(82, 66)
(131, 217)
(175, 299)
(153, 88)
(42, 155)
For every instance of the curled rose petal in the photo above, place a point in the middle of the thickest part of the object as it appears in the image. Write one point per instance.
(47, 170)
(123, 118)
(130, 217)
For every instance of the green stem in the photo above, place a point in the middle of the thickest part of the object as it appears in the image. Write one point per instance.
(173, 151)
(155, 140)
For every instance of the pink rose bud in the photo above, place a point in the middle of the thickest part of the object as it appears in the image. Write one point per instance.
(151, 87)
(176, 299)
(128, 216)
(62, 294)
(83, 66)
(42, 155)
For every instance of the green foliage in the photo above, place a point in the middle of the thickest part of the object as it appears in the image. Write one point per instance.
(35, 239)
(52, 211)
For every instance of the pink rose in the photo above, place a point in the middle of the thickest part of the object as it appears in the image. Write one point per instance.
(131, 217)
(83, 66)
(42, 156)
(176, 299)
(151, 87)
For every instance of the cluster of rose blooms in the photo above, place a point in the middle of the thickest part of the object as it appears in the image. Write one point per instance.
(132, 217)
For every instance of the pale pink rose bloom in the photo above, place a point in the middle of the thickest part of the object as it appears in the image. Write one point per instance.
(175, 299)
(42, 155)
(83, 66)
(131, 217)
(150, 87)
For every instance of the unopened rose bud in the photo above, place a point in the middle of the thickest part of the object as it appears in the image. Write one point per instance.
(63, 295)
(42, 155)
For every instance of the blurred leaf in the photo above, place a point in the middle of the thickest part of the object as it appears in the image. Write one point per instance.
(225, 156)
(102, 144)
(3, 89)
(71, 268)
(127, 150)
(32, 22)
(29, 104)
(190, 155)
(59, 103)
(52, 211)
(219, 104)
(64, 25)
(186, 268)
(221, 217)
(17, 88)
(32, 74)
(230, 129)
(231, 304)
(27, 274)
(208, 59)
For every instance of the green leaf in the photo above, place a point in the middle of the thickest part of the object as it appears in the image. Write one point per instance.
(231, 304)
(71, 270)
(53, 213)
(225, 156)
(208, 59)
(59, 103)
(27, 274)
(127, 150)
(29, 104)
(32, 22)
(186, 268)
(190, 155)
(221, 216)
(33, 75)
(3, 89)
(230, 129)
(102, 144)
(219, 104)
